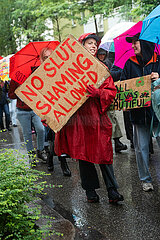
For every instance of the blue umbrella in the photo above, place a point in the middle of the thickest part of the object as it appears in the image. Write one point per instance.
(151, 27)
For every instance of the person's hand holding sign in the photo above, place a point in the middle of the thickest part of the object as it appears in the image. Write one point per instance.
(93, 92)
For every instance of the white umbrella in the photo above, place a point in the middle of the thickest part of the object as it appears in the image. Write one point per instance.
(107, 40)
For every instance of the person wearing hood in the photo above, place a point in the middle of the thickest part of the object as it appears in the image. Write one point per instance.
(87, 135)
(102, 55)
(145, 62)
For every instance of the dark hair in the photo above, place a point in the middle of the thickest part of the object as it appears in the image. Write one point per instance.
(91, 36)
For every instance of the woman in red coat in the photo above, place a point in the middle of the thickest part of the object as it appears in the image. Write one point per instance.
(87, 135)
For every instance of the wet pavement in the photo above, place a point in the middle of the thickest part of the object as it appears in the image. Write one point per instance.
(137, 218)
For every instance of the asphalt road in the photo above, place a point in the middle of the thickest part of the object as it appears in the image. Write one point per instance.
(137, 218)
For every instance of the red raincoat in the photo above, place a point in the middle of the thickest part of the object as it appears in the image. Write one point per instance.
(87, 135)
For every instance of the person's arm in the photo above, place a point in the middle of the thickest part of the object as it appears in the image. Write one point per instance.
(105, 93)
(116, 73)
(12, 87)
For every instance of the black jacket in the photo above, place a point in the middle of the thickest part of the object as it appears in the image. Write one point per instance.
(137, 66)
(4, 94)
(116, 73)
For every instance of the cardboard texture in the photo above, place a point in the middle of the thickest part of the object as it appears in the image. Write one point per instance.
(57, 88)
(132, 93)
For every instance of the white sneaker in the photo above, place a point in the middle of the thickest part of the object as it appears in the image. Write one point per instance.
(147, 186)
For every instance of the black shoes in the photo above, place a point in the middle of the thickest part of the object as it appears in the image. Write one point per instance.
(50, 163)
(114, 196)
(92, 196)
(119, 146)
(42, 155)
(65, 169)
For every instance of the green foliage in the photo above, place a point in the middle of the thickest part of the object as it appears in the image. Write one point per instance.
(19, 187)
(7, 38)
(95, 7)
(58, 11)
(22, 21)
(144, 7)
(138, 9)
(28, 22)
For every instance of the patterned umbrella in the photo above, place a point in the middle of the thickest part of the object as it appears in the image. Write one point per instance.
(4, 68)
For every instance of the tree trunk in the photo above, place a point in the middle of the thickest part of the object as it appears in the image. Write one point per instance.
(58, 30)
(96, 27)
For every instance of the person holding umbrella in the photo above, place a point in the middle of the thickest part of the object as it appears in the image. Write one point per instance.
(144, 62)
(87, 135)
(22, 65)
(49, 133)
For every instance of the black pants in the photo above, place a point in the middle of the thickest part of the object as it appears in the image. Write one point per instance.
(128, 125)
(89, 177)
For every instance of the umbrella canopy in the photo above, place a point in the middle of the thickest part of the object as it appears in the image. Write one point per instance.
(108, 46)
(27, 58)
(107, 42)
(151, 27)
(4, 68)
(123, 49)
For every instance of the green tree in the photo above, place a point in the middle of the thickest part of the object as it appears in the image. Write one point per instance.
(58, 11)
(139, 9)
(30, 19)
(7, 39)
(94, 7)
(28, 24)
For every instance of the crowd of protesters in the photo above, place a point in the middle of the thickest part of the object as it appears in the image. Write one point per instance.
(90, 142)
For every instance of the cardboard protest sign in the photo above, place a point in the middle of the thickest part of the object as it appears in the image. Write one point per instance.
(133, 93)
(58, 87)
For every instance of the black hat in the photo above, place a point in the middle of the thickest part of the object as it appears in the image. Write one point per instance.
(101, 51)
(92, 36)
(135, 38)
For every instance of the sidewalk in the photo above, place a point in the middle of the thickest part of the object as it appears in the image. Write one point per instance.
(137, 218)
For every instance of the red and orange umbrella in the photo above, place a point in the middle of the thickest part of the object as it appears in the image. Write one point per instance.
(23, 61)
